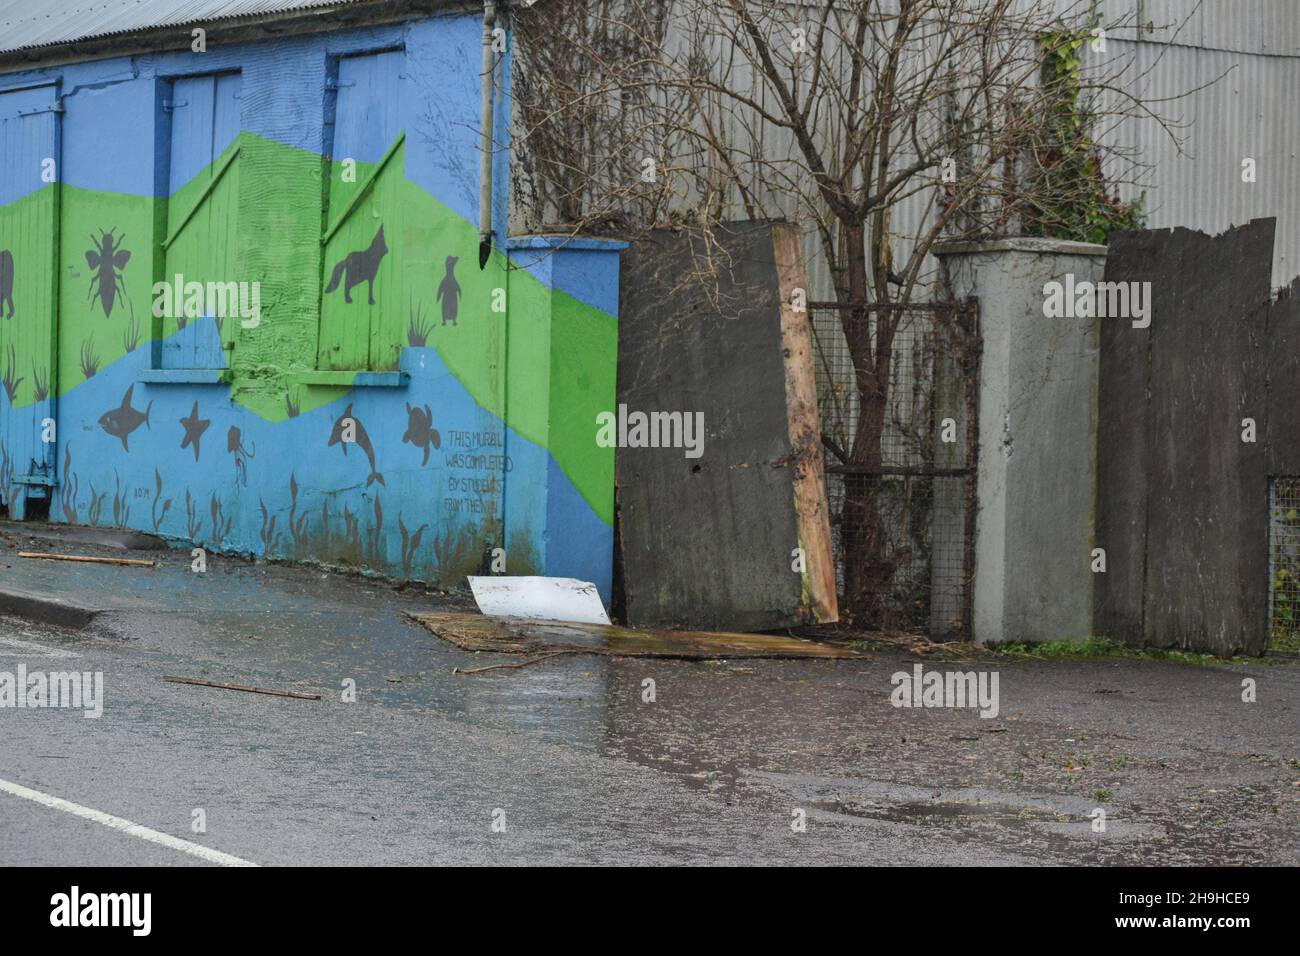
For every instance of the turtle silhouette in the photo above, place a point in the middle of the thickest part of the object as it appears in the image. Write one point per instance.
(420, 431)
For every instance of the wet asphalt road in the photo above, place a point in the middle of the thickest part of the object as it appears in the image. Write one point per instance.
(581, 769)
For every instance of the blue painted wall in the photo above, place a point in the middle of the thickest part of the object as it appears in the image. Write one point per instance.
(514, 463)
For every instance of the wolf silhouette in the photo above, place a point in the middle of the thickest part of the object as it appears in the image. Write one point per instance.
(449, 292)
(359, 267)
(6, 283)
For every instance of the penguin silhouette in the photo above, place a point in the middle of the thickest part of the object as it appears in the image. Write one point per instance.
(449, 292)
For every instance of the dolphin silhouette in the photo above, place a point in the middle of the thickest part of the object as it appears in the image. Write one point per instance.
(362, 440)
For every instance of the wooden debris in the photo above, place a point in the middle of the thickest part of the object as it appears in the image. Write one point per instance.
(242, 687)
(477, 632)
(515, 667)
(89, 559)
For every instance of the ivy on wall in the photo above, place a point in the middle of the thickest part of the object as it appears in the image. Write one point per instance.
(1070, 198)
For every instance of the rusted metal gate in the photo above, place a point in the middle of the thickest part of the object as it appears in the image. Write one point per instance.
(897, 392)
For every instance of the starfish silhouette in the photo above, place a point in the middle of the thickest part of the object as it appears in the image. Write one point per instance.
(194, 429)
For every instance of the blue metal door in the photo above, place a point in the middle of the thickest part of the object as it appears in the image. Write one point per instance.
(29, 203)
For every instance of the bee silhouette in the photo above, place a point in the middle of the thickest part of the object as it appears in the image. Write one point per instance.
(107, 261)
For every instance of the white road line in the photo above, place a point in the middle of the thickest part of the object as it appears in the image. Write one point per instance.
(123, 826)
(35, 650)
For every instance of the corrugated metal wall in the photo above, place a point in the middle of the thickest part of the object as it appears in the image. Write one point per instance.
(1228, 74)
(1244, 107)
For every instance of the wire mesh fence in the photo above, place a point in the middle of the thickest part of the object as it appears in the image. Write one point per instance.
(1284, 558)
(896, 392)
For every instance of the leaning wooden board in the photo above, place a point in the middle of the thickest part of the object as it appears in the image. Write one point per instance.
(709, 540)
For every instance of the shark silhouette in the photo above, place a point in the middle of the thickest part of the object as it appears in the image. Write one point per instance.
(121, 421)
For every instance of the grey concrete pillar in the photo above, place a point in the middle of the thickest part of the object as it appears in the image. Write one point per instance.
(1037, 455)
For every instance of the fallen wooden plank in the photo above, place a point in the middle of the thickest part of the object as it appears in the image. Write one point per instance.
(501, 635)
(89, 559)
(241, 687)
(515, 666)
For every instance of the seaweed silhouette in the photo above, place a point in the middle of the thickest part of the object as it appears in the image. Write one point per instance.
(351, 532)
(409, 543)
(270, 540)
(159, 516)
(293, 403)
(219, 530)
(374, 536)
(40, 383)
(325, 526)
(10, 383)
(121, 503)
(417, 329)
(96, 504)
(68, 488)
(131, 337)
(89, 358)
(452, 550)
(297, 522)
(193, 524)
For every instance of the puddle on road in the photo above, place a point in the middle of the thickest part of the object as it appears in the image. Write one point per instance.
(26, 639)
(938, 813)
(1054, 816)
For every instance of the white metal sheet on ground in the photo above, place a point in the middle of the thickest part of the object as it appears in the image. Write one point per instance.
(539, 598)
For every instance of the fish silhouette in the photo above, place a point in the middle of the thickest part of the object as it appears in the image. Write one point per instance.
(420, 431)
(362, 440)
(121, 421)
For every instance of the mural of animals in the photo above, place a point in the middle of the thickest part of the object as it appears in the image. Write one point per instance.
(417, 391)
(359, 267)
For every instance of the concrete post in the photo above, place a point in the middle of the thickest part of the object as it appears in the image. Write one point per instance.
(1037, 456)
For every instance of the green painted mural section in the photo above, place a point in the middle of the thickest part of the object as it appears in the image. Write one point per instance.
(272, 199)
(26, 313)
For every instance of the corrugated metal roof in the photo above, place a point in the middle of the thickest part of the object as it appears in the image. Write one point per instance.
(25, 24)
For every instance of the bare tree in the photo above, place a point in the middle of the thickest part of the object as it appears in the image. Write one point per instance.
(880, 126)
